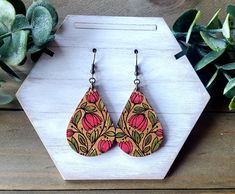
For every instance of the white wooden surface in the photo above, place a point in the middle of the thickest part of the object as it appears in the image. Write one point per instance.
(55, 86)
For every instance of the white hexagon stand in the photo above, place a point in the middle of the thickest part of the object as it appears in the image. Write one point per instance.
(54, 87)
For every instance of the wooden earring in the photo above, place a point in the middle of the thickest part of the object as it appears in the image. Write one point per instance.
(90, 131)
(139, 132)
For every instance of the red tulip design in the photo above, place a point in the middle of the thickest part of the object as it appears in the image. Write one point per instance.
(136, 97)
(69, 133)
(126, 146)
(159, 133)
(91, 120)
(138, 121)
(104, 145)
(92, 96)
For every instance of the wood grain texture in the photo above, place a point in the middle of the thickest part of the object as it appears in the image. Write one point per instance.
(125, 192)
(206, 161)
(51, 92)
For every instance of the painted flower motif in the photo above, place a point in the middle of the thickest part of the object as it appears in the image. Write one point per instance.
(126, 146)
(159, 132)
(136, 97)
(69, 133)
(90, 121)
(138, 121)
(104, 145)
(92, 96)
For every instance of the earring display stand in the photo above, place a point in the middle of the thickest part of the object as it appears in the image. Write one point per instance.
(54, 87)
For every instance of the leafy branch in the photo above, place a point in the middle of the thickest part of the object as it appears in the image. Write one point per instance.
(24, 33)
(210, 49)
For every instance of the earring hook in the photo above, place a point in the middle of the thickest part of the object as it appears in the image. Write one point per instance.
(137, 80)
(92, 80)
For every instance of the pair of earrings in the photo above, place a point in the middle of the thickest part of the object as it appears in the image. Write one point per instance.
(91, 132)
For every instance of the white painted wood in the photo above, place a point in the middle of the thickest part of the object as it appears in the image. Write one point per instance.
(56, 84)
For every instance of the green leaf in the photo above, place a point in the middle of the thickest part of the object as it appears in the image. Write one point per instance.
(9, 71)
(101, 104)
(3, 29)
(137, 153)
(202, 52)
(146, 107)
(147, 139)
(93, 136)
(120, 135)
(3, 36)
(147, 149)
(192, 25)
(5, 98)
(77, 117)
(128, 106)
(83, 105)
(45, 4)
(90, 108)
(13, 51)
(215, 44)
(39, 49)
(139, 109)
(7, 14)
(83, 149)
(212, 80)
(136, 136)
(108, 121)
(51, 38)
(229, 66)
(81, 139)
(20, 23)
(19, 6)
(93, 153)
(215, 22)
(110, 133)
(229, 90)
(207, 59)
(120, 123)
(232, 104)
(152, 118)
(231, 10)
(226, 29)
(184, 22)
(74, 144)
(155, 144)
(41, 25)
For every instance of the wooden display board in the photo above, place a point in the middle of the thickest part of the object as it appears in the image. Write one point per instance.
(55, 86)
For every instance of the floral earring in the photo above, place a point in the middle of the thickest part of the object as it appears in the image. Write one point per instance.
(139, 131)
(90, 131)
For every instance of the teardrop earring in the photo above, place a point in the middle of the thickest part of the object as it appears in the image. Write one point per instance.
(90, 131)
(139, 131)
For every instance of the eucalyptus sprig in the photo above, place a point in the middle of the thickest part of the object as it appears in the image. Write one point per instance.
(210, 48)
(23, 33)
